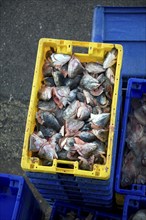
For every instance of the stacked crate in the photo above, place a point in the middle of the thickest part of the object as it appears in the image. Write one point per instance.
(72, 185)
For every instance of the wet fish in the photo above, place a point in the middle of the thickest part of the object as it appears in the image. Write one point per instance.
(100, 120)
(95, 68)
(48, 81)
(87, 136)
(49, 106)
(48, 120)
(72, 95)
(47, 152)
(60, 59)
(86, 127)
(89, 83)
(101, 134)
(74, 67)
(72, 126)
(60, 95)
(89, 98)
(58, 78)
(47, 132)
(83, 111)
(97, 109)
(110, 74)
(73, 83)
(81, 97)
(86, 164)
(85, 150)
(110, 58)
(45, 93)
(36, 142)
(71, 111)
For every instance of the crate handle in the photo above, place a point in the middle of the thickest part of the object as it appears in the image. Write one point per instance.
(61, 164)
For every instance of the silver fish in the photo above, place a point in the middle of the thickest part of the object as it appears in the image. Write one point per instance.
(45, 93)
(100, 120)
(60, 59)
(58, 78)
(110, 59)
(110, 74)
(47, 132)
(89, 83)
(49, 106)
(85, 150)
(101, 134)
(86, 136)
(95, 68)
(71, 110)
(86, 164)
(48, 81)
(89, 98)
(36, 142)
(48, 120)
(74, 67)
(47, 152)
(73, 83)
(72, 126)
(60, 95)
(83, 112)
(47, 68)
(72, 95)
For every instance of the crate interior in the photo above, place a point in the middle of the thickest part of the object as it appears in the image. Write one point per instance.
(135, 205)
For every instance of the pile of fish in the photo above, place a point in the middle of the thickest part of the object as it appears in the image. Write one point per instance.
(74, 109)
(134, 164)
(139, 215)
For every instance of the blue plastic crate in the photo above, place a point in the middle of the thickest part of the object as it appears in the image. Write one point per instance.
(126, 26)
(132, 204)
(135, 89)
(61, 209)
(16, 200)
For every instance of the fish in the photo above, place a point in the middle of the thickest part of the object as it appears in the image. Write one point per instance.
(110, 74)
(47, 132)
(62, 155)
(49, 106)
(59, 79)
(101, 134)
(47, 152)
(89, 83)
(110, 58)
(60, 59)
(73, 83)
(130, 170)
(59, 116)
(48, 120)
(89, 98)
(81, 97)
(48, 81)
(47, 68)
(85, 150)
(72, 95)
(97, 92)
(86, 136)
(94, 67)
(36, 142)
(83, 111)
(69, 143)
(71, 111)
(140, 115)
(86, 164)
(139, 215)
(45, 93)
(100, 120)
(86, 127)
(74, 67)
(72, 126)
(97, 109)
(60, 95)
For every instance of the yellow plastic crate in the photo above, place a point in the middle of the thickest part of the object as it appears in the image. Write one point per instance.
(96, 52)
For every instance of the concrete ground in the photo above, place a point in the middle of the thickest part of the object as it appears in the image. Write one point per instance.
(22, 24)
